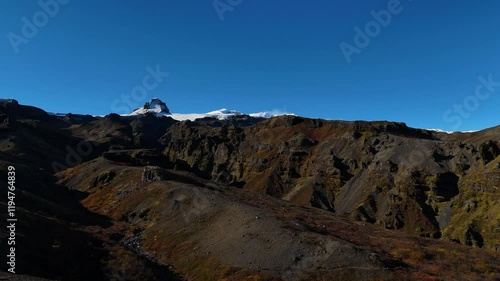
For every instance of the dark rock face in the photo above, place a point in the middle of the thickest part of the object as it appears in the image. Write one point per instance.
(79, 118)
(17, 111)
(489, 151)
(473, 237)
(4, 121)
(157, 103)
(147, 129)
(446, 186)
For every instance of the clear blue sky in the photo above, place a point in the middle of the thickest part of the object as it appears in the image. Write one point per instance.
(264, 55)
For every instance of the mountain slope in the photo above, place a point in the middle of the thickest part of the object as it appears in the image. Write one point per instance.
(211, 232)
(287, 198)
(380, 172)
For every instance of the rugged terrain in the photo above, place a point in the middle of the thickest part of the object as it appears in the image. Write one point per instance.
(422, 182)
(286, 198)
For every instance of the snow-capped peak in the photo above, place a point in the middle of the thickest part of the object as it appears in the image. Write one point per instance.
(154, 106)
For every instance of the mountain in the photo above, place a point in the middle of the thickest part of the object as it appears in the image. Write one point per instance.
(418, 181)
(160, 109)
(148, 197)
(154, 106)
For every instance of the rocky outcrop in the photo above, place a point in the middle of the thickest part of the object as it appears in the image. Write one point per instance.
(152, 173)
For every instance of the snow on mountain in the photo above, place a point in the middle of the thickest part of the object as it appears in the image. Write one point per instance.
(8, 100)
(269, 114)
(450, 132)
(155, 106)
(223, 111)
(440, 131)
(159, 108)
